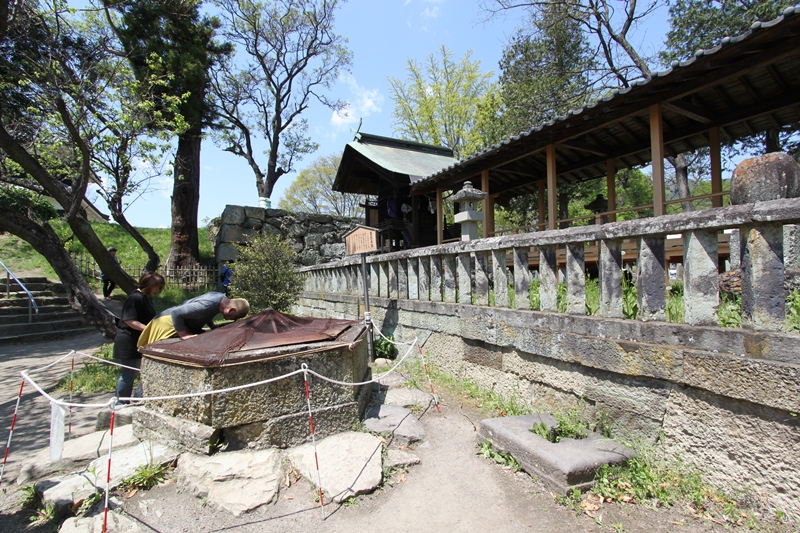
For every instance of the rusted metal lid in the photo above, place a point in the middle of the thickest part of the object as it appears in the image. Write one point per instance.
(267, 335)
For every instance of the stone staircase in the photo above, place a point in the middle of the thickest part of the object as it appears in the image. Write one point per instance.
(55, 319)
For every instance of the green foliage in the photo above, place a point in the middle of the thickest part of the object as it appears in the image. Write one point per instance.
(31, 498)
(675, 302)
(730, 311)
(572, 500)
(647, 478)
(266, 274)
(487, 451)
(312, 191)
(793, 312)
(45, 515)
(437, 103)
(541, 429)
(535, 294)
(146, 477)
(25, 201)
(630, 302)
(592, 296)
(93, 376)
(89, 502)
(570, 426)
(385, 348)
(634, 188)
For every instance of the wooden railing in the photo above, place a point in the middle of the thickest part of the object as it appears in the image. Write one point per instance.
(468, 272)
(197, 277)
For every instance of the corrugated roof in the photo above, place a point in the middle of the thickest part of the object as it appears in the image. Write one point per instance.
(746, 84)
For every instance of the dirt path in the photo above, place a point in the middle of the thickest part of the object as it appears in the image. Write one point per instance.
(452, 490)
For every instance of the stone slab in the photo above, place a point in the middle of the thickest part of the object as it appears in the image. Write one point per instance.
(349, 464)
(175, 432)
(398, 421)
(64, 491)
(399, 458)
(563, 466)
(403, 397)
(237, 482)
(76, 453)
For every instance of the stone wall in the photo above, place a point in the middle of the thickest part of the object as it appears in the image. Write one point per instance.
(316, 239)
(720, 399)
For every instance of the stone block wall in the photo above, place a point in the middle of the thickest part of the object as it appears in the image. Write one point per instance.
(316, 239)
(724, 400)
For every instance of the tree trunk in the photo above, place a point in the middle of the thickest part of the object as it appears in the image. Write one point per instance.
(45, 241)
(682, 179)
(184, 251)
(153, 260)
(772, 141)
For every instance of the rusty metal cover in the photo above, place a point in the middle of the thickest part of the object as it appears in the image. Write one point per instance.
(247, 340)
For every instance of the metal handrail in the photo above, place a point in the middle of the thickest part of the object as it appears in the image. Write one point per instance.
(31, 302)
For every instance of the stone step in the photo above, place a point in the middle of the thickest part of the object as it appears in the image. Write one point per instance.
(41, 317)
(23, 310)
(73, 322)
(42, 301)
(46, 336)
(33, 279)
(13, 287)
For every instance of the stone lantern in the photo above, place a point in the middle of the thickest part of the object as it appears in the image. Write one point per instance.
(468, 216)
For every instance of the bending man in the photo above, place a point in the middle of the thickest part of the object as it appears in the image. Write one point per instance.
(188, 319)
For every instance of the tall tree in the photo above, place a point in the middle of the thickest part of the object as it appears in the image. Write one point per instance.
(438, 103)
(546, 69)
(312, 191)
(49, 73)
(701, 24)
(175, 32)
(293, 55)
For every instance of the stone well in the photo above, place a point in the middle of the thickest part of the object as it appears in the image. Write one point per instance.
(262, 416)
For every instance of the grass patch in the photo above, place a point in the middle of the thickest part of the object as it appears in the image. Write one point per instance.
(146, 477)
(487, 451)
(93, 376)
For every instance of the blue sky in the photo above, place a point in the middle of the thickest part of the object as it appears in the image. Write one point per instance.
(382, 35)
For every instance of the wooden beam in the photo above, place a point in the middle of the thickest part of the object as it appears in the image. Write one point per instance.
(657, 152)
(690, 111)
(540, 198)
(488, 205)
(584, 147)
(552, 194)
(439, 216)
(716, 165)
(611, 188)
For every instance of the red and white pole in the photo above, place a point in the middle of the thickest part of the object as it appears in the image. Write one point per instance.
(430, 383)
(11, 432)
(108, 469)
(313, 437)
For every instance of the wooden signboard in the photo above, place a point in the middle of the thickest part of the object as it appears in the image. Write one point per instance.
(361, 239)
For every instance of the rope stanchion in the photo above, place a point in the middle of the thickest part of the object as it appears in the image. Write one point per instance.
(71, 376)
(108, 469)
(11, 432)
(313, 438)
(430, 383)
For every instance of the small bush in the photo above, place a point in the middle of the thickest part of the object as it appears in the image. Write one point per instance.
(266, 273)
(385, 348)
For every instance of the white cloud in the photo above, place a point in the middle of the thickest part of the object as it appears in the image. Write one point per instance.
(363, 103)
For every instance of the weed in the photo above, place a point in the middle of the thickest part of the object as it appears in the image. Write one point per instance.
(146, 477)
(675, 310)
(730, 311)
(571, 500)
(487, 451)
(630, 301)
(89, 502)
(385, 348)
(618, 528)
(570, 426)
(31, 498)
(350, 502)
(793, 312)
(541, 429)
(45, 515)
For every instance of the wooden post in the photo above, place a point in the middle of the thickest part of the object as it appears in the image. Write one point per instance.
(716, 165)
(439, 216)
(552, 196)
(657, 153)
(611, 188)
(542, 205)
(488, 206)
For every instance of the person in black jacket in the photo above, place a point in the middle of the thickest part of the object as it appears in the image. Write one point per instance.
(137, 312)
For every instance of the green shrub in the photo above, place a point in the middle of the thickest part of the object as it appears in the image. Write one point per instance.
(93, 376)
(265, 273)
(385, 348)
